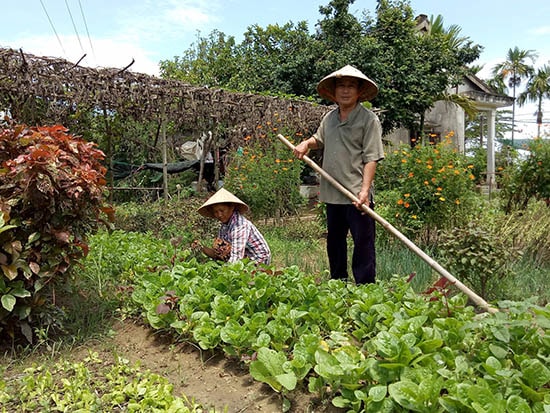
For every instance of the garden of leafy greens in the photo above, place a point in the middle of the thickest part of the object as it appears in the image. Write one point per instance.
(104, 302)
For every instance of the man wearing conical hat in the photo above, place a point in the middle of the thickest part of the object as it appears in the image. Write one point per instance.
(351, 138)
(238, 238)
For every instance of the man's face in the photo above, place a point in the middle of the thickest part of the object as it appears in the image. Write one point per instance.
(347, 90)
(222, 212)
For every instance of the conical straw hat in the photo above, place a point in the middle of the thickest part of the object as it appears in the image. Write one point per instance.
(367, 91)
(221, 197)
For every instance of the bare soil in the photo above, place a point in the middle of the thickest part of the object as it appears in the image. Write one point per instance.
(208, 378)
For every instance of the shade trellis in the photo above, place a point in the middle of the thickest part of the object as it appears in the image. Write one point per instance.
(61, 87)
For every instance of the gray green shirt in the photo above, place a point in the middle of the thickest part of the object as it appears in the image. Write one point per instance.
(347, 147)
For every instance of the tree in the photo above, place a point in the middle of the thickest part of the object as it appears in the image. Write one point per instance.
(537, 89)
(414, 69)
(277, 59)
(515, 69)
(211, 61)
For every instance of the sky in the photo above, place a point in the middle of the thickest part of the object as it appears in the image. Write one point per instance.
(112, 33)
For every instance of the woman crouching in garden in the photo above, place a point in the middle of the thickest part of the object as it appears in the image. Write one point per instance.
(238, 238)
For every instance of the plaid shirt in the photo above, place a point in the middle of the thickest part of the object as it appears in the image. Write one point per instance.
(245, 239)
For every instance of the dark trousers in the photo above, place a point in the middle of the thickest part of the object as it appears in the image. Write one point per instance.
(342, 219)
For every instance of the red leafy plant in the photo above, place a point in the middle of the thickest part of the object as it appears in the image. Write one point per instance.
(51, 196)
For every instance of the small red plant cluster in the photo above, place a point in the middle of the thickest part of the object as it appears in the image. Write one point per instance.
(51, 196)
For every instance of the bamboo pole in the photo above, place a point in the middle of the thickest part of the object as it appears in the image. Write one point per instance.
(389, 227)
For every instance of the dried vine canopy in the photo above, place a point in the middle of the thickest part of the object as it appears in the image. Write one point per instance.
(60, 88)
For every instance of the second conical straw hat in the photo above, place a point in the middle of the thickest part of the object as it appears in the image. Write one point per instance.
(222, 196)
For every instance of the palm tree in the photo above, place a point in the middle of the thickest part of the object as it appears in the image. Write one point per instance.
(515, 69)
(537, 89)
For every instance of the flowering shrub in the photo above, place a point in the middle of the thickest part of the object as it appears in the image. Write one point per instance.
(428, 186)
(51, 195)
(265, 174)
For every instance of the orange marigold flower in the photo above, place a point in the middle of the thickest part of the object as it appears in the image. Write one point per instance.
(429, 166)
(407, 205)
(403, 161)
(400, 202)
(277, 160)
(433, 180)
(259, 127)
(472, 177)
(470, 166)
(439, 188)
(426, 183)
(457, 172)
(407, 195)
(411, 174)
(457, 202)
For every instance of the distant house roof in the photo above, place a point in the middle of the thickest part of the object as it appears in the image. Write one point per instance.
(484, 95)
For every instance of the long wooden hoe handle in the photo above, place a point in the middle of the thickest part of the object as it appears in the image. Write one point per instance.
(389, 227)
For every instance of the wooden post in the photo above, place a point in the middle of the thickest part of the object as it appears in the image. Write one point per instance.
(164, 157)
(430, 261)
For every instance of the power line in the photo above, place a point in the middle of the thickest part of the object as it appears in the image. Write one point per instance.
(74, 26)
(86, 26)
(53, 27)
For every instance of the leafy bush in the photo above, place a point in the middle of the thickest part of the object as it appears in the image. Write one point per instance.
(528, 179)
(51, 196)
(429, 187)
(477, 255)
(266, 176)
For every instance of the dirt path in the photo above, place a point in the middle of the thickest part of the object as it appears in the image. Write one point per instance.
(209, 379)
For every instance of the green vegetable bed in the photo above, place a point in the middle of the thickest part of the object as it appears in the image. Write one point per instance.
(375, 348)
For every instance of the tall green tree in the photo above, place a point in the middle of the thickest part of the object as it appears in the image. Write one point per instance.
(537, 89)
(210, 61)
(415, 69)
(514, 69)
(278, 59)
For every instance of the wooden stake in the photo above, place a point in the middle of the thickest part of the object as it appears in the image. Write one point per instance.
(411, 245)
